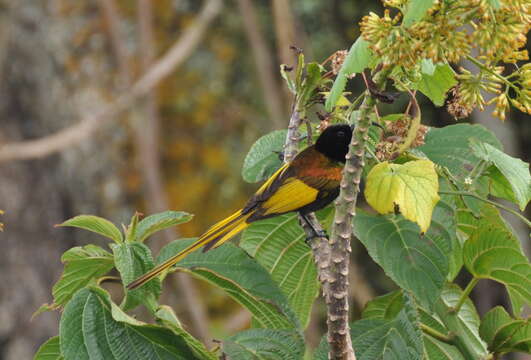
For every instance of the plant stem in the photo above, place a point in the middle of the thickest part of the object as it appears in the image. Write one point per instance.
(503, 207)
(464, 295)
(485, 68)
(437, 335)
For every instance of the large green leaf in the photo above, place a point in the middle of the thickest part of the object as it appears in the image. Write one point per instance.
(50, 350)
(378, 338)
(278, 245)
(167, 317)
(415, 11)
(93, 327)
(464, 324)
(494, 252)
(95, 224)
(438, 350)
(387, 307)
(449, 146)
(263, 159)
(359, 57)
(262, 344)
(516, 171)
(246, 281)
(504, 334)
(419, 263)
(133, 260)
(158, 222)
(436, 84)
(384, 307)
(83, 266)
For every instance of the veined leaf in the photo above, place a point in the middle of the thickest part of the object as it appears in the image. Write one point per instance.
(263, 160)
(438, 350)
(411, 188)
(515, 170)
(493, 252)
(377, 338)
(504, 334)
(83, 266)
(168, 318)
(95, 224)
(415, 11)
(417, 263)
(133, 260)
(435, 84)
(384, 307)
(464, 324)
(246, 281)
(93, 327)
(387, 307)
(50, 350)
(257, 344)
(449, 146)
(358, 58)
(278, 245)
(160, 221)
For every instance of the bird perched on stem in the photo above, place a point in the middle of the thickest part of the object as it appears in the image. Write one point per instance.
(306, 184)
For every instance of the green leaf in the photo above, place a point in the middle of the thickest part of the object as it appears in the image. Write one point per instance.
(376, 338)
(359, 57)
(411, 188)
(493, 252)
(435, 84)
(167, 317)
(311, 81)
(246, 281)
(449, 146)
(384, 307)
(95, 224)
(515, 170)
(464, 324)
(263, 160)
(50, 350)
(504, 334)
(416, 263)
(499, 186)
(93, 327)
(415, 11)
(160, 221)
(437, 350)
(278, 245)
(83, 266)
(133, 260)
(258, 344)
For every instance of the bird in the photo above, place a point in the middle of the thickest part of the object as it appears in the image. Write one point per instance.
(306, 184)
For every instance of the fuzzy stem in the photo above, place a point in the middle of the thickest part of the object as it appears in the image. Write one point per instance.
(437, 335)
(464, 295)
(503, 207)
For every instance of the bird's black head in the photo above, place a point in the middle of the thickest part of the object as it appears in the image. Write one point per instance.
(333, 142)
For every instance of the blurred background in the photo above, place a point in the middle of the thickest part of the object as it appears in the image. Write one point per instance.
(109, 107)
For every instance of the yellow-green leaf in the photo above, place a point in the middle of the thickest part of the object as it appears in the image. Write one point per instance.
(410, 188)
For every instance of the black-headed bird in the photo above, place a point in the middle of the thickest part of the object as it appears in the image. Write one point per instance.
(306, 184)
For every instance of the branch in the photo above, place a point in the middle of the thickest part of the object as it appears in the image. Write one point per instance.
(174, 58)
(338, 328)
(320, 245)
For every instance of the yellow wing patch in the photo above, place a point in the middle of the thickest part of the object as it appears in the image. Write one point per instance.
(290, 196)
(271, 179)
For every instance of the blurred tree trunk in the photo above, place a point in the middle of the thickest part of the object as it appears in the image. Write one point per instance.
(39, 95)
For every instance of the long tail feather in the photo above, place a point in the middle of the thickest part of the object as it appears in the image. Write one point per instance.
(213, 237)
